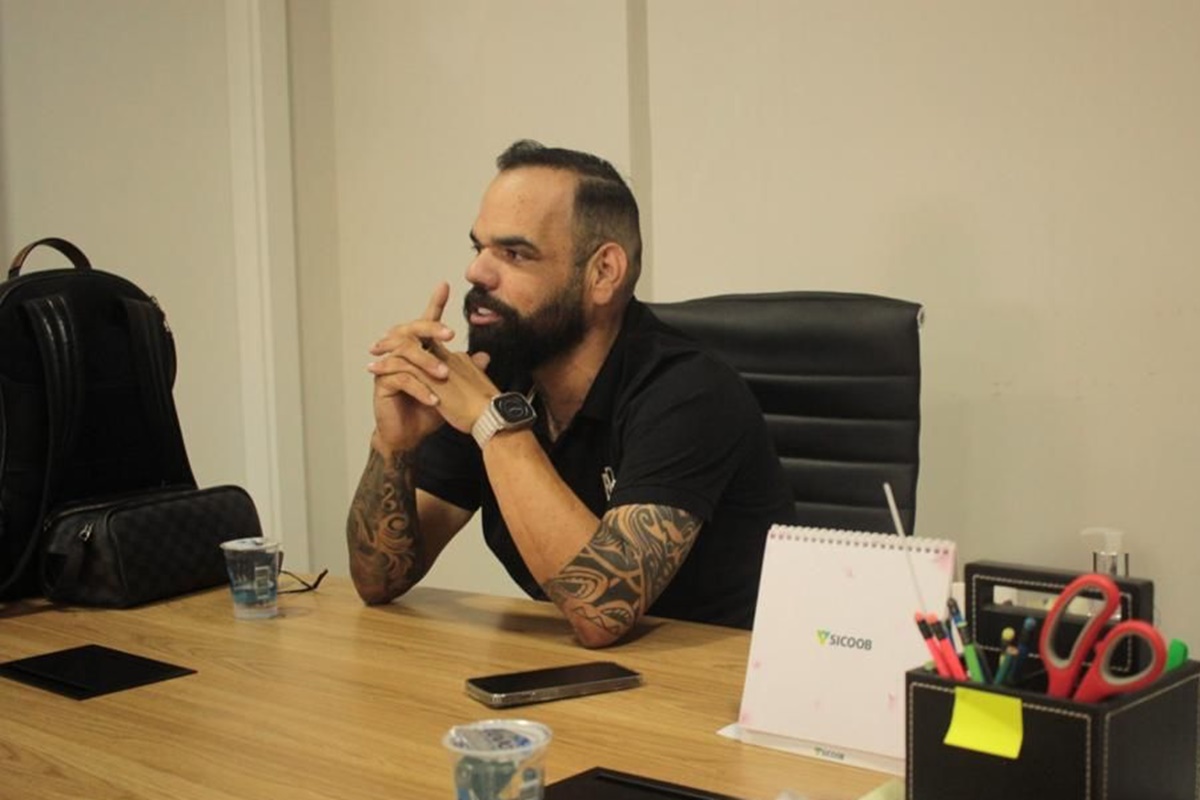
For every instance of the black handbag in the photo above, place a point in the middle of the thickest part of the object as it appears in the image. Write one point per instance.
(123, 551)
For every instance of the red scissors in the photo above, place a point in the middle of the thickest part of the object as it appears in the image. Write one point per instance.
(1098, 681)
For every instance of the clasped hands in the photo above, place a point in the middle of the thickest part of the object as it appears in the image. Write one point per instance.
(419, 382)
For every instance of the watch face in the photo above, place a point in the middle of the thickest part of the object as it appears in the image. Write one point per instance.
(513, 408)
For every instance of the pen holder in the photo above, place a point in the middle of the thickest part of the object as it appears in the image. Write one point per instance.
(1136, 746)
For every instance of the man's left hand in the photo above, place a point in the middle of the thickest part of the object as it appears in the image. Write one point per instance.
(466, 392)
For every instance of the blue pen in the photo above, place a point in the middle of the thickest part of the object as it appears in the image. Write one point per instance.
(1023, 642)
(1008, 655)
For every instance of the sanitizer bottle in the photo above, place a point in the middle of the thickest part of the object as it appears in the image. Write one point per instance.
(1108, 558)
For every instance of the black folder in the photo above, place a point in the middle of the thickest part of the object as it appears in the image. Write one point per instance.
(599, 783)
(89, 671)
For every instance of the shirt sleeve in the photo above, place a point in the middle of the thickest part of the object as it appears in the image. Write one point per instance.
(681, 437)
(450, 467)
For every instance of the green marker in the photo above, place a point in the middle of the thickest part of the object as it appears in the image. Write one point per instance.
(977, 667)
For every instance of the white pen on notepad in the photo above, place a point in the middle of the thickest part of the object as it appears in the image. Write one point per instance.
(899, 524)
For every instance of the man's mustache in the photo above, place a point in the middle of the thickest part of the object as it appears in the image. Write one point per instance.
(478, 298)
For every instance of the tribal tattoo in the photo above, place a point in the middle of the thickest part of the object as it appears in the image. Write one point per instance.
(629, 561)
(386, 553)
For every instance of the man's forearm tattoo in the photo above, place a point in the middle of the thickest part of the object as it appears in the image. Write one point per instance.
(628, 562)
(386, 553)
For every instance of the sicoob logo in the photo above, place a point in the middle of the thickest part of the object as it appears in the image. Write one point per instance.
(827, 637)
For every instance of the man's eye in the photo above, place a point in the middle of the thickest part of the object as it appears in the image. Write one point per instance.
(477, 247)
(513, 255)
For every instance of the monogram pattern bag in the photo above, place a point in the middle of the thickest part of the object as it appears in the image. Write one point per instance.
(137, 548)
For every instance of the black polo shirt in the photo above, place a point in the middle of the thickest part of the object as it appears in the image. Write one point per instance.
(664, 423)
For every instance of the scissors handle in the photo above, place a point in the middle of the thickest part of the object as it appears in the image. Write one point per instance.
(1063, 672)
(1100, 682)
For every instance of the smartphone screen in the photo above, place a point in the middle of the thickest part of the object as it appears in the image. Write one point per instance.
(552, 683)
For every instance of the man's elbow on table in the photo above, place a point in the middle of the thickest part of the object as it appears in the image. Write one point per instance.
(373, 591)
(374, 597)
(595, 634)
(594, 638)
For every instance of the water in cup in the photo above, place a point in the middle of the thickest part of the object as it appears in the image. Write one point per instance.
(498, 759)
(253, 566)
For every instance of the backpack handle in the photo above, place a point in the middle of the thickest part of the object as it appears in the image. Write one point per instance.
(61, 245)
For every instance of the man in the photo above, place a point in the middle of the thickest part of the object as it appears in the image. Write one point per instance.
(621, 470)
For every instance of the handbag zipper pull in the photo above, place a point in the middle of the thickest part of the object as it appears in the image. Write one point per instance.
(86, 533)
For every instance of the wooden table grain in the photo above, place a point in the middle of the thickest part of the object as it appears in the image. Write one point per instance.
(334, 699)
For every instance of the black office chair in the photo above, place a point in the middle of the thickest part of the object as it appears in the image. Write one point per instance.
(838, 377)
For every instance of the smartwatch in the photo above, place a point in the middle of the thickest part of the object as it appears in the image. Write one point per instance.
(510, 411)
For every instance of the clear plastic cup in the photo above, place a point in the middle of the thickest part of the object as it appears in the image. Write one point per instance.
(253, 566)
(498, 759)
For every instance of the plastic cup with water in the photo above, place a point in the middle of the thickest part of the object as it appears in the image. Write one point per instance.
(498, 759)
(253, 566)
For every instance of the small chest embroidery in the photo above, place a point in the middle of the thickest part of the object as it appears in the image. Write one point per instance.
(609, 479)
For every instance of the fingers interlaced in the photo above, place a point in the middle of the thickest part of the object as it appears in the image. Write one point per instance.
(437, 349)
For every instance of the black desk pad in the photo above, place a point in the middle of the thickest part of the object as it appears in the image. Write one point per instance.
(599, 783)
(89, 671)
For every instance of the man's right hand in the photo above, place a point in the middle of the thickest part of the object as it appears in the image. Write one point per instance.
(405, 373)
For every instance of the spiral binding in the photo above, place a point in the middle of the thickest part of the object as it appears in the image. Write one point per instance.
(863, 539)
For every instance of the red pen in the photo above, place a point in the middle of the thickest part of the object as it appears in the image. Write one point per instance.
(951, 657)
(939, 660)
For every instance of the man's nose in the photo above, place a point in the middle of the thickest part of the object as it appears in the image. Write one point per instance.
(482, 270)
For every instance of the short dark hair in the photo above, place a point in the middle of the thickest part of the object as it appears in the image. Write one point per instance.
(605, 208)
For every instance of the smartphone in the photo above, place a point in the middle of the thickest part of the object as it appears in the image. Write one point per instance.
(553, 683)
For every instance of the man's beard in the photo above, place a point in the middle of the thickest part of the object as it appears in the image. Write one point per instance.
(518, 345)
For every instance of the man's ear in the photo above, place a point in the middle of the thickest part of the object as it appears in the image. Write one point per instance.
(607, 273)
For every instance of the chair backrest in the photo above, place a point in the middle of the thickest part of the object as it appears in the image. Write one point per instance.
(838, 377)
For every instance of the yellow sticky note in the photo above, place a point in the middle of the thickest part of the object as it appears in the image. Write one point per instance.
(988, 722)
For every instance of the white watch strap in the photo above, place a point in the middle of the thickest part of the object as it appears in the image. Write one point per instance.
(486, 426)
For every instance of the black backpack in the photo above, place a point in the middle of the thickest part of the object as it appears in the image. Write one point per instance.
(87, 363)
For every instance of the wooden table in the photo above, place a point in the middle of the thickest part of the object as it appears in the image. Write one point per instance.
(337, 700)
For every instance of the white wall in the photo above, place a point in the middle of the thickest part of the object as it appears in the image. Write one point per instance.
(1026, 170)
(114, 124)
(1029, 172)
(152, 133)
(318, 281)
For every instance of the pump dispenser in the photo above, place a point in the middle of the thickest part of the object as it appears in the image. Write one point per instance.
(1109, 558)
